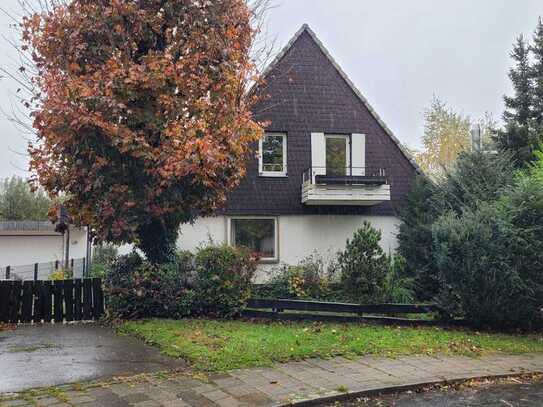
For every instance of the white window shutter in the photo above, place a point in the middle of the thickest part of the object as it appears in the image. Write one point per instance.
(318, 154)
(260, 155)
(358, 153)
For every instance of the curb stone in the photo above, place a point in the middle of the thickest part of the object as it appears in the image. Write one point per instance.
(377, 391)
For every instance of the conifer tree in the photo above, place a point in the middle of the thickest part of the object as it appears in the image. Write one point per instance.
(519, 137)
(518, 107)
(537, 74)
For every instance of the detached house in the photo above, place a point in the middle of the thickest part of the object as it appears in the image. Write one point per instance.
(327, 163)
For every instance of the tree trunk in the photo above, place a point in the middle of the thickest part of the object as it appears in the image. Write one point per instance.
(157, 240)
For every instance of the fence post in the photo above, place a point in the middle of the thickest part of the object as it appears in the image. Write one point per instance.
(36, 266)
(8, 270)
(84, 266)
(56, 264)
(72, 265)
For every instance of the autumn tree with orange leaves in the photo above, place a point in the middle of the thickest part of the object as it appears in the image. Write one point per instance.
(142, 112)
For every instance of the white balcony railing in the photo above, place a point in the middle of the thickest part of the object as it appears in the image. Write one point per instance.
(350, 186)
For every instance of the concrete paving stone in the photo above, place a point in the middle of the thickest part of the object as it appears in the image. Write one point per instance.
(240, 390)
(205, 387)
(160, 395)
(228, 382)
(217, 376)
(148, 403)
(256, 382)
(136, 397)
(80, 400)
(123, 389)
(195, 399)
(91, 404)
(215, 395)
(111, 400)
(14, 403)
(47, 401)
(230, 402)
(175, 403)
(256, 399)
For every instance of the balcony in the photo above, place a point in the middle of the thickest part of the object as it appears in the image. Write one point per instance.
(362, 186)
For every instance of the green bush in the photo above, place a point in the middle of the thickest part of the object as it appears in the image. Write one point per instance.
(415, 239)
(311, 278)
(398, 287)
(214, 282)
(476, 177)
(223, 279)
(363, 266)
(137, 289)
(481, 273)
(102, 258)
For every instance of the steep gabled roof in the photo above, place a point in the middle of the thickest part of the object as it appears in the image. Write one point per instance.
(284, 51)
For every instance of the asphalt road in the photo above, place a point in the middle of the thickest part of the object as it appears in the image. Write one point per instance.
(498, 395)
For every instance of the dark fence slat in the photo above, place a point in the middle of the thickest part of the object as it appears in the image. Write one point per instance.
(338, 318)
(397, 308)
(69, 300)
(78, 298)
(87, 299)
(15, 301)
(58, 312)
(5, 295)
(37, 314)
(303, 305)
(28, 299)
(317, 306)
(46, 293)
(37, 300)
(98, 298)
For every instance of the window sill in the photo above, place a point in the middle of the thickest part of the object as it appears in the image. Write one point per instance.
(273, 175)
(268, 261)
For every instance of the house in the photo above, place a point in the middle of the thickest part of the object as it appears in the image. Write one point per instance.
(327, 163)
(23, 244)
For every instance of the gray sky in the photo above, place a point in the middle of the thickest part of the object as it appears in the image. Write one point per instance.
(398, 53)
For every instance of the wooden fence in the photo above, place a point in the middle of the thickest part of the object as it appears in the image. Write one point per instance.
(46, 301)
(332, 311)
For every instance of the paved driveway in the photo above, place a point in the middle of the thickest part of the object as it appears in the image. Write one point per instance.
(37, 356)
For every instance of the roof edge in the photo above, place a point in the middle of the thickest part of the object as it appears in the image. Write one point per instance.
(324, 50)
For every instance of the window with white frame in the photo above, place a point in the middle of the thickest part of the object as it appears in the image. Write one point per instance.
(259, 234)
(273, 155)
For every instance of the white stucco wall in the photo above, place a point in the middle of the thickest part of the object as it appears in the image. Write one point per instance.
(27, 248)
(299, 236)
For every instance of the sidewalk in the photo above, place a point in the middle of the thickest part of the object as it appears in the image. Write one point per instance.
(283, 384)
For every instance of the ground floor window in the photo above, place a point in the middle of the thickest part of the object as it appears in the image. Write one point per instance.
(258, 234)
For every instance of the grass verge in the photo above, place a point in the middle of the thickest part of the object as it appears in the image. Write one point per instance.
(212, 345)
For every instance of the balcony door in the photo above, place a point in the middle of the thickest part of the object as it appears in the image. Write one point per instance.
(338, 155)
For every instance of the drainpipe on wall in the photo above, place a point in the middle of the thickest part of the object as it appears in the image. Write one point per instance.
(67, 251)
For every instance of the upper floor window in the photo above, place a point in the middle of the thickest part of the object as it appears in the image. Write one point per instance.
(273, 155)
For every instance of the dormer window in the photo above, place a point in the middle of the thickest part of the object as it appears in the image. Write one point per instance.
(273, 155)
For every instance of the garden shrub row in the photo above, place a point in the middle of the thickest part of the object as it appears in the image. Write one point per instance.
(216, 281)
(473, 242)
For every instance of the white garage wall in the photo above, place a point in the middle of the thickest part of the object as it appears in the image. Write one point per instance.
(24, 249)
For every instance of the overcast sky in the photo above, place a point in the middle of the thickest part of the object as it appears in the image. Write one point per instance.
(398, 53)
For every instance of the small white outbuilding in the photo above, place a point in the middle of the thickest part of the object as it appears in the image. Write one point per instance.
(25, 243)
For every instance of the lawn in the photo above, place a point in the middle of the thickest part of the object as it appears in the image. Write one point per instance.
(211, 345)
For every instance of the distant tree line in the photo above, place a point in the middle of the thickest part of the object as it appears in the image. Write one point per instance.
(19, 202)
